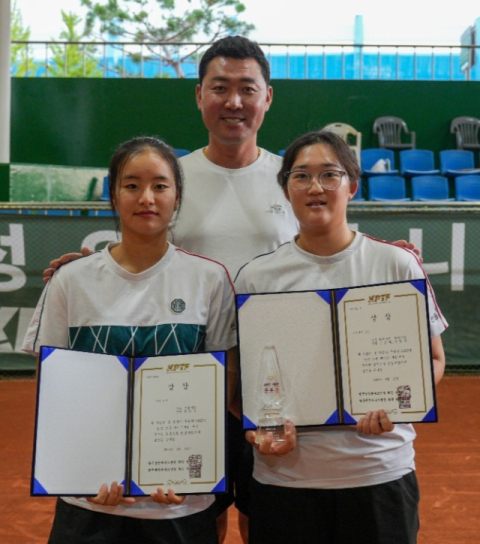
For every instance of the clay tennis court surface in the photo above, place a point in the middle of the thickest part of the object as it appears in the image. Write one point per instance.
(448, 467)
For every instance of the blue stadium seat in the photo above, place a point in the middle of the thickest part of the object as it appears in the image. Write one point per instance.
(430, 188)
(467, 188)
(387, 188)
(417, 162)
(457, 162)
(371, 156)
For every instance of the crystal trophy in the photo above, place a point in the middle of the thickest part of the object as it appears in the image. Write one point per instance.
(272, 394)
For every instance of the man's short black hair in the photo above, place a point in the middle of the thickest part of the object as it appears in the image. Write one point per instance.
(235, 47)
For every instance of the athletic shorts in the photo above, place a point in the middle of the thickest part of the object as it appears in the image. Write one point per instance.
(75, 525)
(379, 514)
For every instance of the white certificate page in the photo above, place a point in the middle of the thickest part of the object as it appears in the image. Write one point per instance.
(179, 424)
(298, 325)
(385, 351)
(81, 419)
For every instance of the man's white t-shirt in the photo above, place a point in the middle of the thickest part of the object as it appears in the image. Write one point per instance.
(233, 215)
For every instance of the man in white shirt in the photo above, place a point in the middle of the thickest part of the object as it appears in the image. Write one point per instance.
(233, 208)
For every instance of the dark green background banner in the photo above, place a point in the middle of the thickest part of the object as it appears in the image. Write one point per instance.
(448, 238)
(79, 122)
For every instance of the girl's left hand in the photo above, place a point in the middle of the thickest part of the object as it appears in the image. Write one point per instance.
(167, 498)
(375, 423)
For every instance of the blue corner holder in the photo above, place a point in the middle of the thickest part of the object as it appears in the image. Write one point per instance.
(248, 424)
(326, 295)
(221, 486)
(348, 419)
(431, 416)
(135, 490)
(139, 362)
(333, 419)
(340, 294)
(420, 285)
(220, 356)
(46, 352)
(125, 362)
(241, 299)
(38, 488)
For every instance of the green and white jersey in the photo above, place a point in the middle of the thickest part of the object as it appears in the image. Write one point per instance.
(182, 304)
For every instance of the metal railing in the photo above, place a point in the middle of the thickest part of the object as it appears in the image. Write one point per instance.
(97, 208)
(287, 61)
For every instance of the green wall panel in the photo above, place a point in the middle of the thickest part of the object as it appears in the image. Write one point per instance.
(427, 107)
(78, 122)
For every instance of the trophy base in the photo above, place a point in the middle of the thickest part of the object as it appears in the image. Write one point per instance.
(274, 424)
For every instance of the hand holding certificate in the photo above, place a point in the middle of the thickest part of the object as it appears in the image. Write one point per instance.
(146, 423)
(349, 352)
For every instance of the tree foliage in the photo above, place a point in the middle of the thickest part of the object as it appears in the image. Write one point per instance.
(73, 60)
(161, 22)
(21, 64)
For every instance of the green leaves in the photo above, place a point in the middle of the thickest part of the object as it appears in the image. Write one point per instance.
(163, 25)
(18, 52)
(73, 60)
(163, 21)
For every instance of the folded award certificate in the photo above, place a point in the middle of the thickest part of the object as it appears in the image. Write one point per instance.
(328, 357)
(144, 422)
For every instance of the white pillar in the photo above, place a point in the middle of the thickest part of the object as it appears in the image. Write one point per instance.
(5, 85)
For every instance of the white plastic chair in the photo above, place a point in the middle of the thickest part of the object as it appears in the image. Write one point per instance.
(349, 135)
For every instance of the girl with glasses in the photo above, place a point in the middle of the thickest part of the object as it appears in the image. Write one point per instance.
(339, 485)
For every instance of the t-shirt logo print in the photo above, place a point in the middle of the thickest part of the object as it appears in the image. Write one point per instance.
(276, 208)
(178, 305)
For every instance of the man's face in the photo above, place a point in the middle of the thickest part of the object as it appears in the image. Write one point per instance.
(233, 99)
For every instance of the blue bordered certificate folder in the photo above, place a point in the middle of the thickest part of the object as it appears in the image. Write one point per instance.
(144, 422)
(341, 353)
